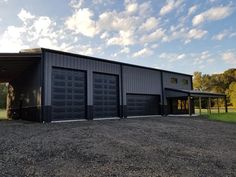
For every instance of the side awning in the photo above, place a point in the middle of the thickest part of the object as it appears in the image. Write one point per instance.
(171, 93)
(176, 93)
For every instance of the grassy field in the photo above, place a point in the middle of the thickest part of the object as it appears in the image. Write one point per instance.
(222, 116)
(3, 114)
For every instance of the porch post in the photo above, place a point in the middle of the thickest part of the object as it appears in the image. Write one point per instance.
(200, 105)
(189, 105)
(209, 105)
(226, 108)
(218, 107)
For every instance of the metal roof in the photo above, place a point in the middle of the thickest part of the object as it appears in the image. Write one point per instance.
(41, 50)
(196, 93)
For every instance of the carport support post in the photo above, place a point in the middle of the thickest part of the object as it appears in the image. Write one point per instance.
(209, 105)
(200, 105)
(226, 108)
(189, 105)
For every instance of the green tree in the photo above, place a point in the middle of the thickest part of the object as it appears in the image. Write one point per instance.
(197, 80)
(3, 95)
(218, 83)
(232, 93)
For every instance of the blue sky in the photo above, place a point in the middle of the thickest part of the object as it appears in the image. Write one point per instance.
(178, 35)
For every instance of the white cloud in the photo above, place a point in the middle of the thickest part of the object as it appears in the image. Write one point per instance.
(25, 15)
(184, 34)
(215, 13)
(42, 26)
(176, 33)
(145, 8)
(47, 43)
(196, 34)
(149, 24)
(125, 50)
(81, 23)
(154, 46)
(11, 40)
(200, 59)
(104, 35)
(169, 6)
(172, 57)
(229, 57)
(143, 53)
(131, 7)
(76, 4)
(232, 34)
(181, 56)
(220, 36)
(114, 21)
(224, 34)
(124, 38)
(34, 31)
(192, 10)
(3, 1)
(154, 36)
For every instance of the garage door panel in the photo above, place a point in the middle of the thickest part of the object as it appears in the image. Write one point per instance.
(140, 104)
(68, 94)
(105, 95)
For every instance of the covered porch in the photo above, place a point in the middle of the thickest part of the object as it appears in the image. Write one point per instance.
(182, 101)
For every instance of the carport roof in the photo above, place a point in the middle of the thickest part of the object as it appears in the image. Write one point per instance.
(194, 93)
(13, 64)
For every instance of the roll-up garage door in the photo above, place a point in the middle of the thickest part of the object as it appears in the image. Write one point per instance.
(105, 95)
(140, 104)
(68, 94)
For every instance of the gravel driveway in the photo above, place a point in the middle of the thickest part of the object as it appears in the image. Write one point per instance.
(161, 146)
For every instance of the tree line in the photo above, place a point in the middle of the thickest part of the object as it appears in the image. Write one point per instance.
(219, 83)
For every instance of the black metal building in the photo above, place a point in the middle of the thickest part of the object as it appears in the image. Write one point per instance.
(47, 85)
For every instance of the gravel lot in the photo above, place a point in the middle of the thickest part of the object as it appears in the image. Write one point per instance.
(168, 146)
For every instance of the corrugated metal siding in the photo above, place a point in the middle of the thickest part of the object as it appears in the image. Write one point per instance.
(65, 61)
(141, 81)
(167, 82)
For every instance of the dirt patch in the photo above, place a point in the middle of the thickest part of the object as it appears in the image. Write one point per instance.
(167, 146)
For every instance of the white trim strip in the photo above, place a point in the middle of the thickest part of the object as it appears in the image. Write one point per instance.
(107, 118)
(182, 115)
(133, 117)
(63, 121)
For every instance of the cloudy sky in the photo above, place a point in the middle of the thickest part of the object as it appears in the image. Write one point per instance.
(179, 35)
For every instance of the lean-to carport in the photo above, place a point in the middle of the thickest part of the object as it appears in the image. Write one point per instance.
(23, 73)
(190, 94)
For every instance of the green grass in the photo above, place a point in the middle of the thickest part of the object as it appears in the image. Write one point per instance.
(3, 114)
(224, 117)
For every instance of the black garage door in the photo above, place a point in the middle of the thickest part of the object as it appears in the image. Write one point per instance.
(138, 105)
(68, 94)
(105, 95)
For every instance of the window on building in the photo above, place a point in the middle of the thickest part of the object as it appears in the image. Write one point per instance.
(182, 104)
(185, 82)
(174, 80)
